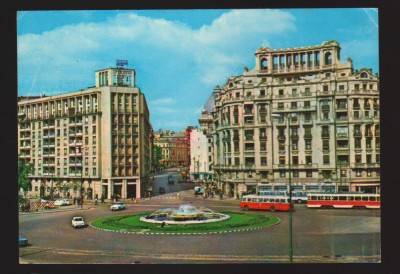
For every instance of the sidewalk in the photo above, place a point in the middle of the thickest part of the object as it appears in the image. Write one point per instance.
(57, 209)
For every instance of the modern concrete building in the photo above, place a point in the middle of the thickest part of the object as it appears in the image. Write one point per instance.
(201, 155)
(95, 140)
(300, 111)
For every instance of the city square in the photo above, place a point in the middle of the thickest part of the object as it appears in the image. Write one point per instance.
(230, 145)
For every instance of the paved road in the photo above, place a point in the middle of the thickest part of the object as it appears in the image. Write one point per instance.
(318, 236)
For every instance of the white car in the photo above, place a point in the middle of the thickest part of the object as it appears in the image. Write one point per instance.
(78, 222)
(62, 202)
(117, 206)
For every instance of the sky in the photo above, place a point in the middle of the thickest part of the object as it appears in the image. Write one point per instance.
(179, 55)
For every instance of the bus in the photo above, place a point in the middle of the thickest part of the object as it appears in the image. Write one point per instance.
(297, 196)
(343, 200)
(273, 193)
(258, 202)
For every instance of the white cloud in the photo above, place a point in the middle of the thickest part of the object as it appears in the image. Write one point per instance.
(170, 58)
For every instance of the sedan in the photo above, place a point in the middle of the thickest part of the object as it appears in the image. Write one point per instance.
(62, 202)
(77, 222)
(117, 206)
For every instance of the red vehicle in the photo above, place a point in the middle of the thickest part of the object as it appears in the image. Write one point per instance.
(343, 200)
(272, 203)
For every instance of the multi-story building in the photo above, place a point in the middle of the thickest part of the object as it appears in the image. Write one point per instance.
(93, 141)
(200, 152)
(300, 115)
(174, 147)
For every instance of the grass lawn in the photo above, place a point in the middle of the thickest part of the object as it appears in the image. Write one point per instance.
(237, 221)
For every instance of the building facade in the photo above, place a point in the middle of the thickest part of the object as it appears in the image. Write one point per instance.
(94, 141)
(300, 115)
(174, 147)
(201, 153)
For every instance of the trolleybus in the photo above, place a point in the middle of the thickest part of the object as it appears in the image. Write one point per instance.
(343, 200)
(297, 196)
(259, 202)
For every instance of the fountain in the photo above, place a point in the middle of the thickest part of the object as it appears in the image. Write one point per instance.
(184, 214)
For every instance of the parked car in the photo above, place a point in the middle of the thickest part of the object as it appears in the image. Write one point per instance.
(62, 202)
(23, 241)
(117, 206)
(78, 222)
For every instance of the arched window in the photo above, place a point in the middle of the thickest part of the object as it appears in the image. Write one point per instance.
(328, 58)
(264, 64)
(364, 75)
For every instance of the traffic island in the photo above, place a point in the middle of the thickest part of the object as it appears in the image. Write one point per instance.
(132, 224)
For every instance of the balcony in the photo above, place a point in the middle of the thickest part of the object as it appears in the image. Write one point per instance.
(342, 135)
(325, 107)
(281, 137)
(307, 136)
(357, 134)
(263, 137)
(368, 134)
(49, 136)
(325, 135)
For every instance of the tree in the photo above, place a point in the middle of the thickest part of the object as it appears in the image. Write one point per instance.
(24, 170)
(157, 155)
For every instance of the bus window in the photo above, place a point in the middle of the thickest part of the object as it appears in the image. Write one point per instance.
(357, 198)
(283, 201)
(334, 198)
(342, 198)
(260, 200)
(372, 198)
(254, 199)
(312, 197)
(350, 198)
(364, 198)
(265, 200)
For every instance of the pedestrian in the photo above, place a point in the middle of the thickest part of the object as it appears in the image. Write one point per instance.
(102, 198)
(95, 200)
(74, 200)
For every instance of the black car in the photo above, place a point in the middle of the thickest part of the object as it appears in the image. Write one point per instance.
(161, 190)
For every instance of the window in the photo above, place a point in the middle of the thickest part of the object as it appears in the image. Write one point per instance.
(281, 145)
(263, 161)
(307, 104)
(369, 173)
(282, 160)
(65, 151)
(280, 92)
(295, 145)
(94, 171)
(86, 140)
(282, 174)
(263, 146)
(358, 173)
(295, 173)
(281, 106)
(294, 92)
(308, 159)
(308, 173)
(325, 88)
(358, 159)
(295, 160)
(308, 144)
(326, 159)
(293, 105)
(325, 144)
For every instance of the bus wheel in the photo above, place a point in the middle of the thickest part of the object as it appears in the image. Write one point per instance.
(246, 208)
(272, 208)
(299, 201)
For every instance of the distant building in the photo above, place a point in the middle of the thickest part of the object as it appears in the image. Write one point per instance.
(98, 138)
(174, 148)
(328, 111)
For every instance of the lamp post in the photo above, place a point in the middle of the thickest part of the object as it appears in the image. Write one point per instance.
(288, 119)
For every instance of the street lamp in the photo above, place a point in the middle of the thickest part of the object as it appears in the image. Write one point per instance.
(289, 117)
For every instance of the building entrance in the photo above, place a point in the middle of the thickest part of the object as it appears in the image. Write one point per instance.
(131, 189)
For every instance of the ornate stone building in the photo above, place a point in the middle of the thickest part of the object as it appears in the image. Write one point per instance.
(94, 141)
(300, 111)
